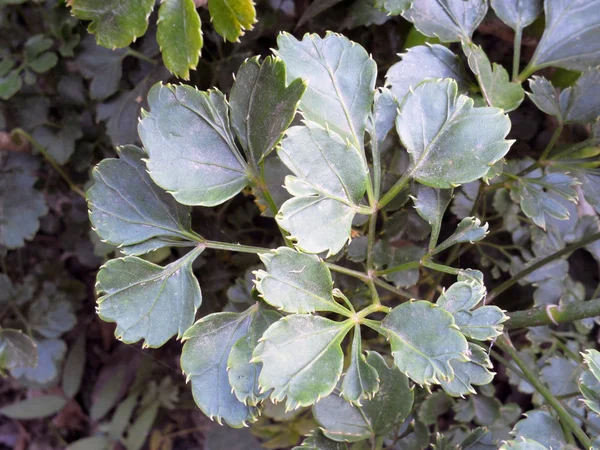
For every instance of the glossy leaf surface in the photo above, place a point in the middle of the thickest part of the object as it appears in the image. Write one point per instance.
(231, 18)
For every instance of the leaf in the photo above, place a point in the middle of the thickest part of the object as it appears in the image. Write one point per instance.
(51, 317)
(179, 36)
(364, 13)
(431, 204)
(591, 358)
(345, 422)
(274, 173)
(115, 24)
(561, 375)
(341, 81)
(43, 63)
(74, 366)
(361, 379)
(393, 7)
(448, 20)
(60, 142)
(262, 107)
(314, 9)
(425, 62)
(495, 84)
(450, 142)
(537, 203)
(232, 17)
(148, 301)
(316, 440)
(219, 438)
(16, 350)
(208, 344)
(468, 230)
(570, 38)
(434, 406)
(140, 429)
(51, 353)
(517, 14)
(34, 408)
(522, 444)
(387, 255)
(483, 323)
(296, 283)
(589, 382)
(424, 339)
(90, 443)
(383, 116)
(302, 358)
(541, 427)
(212, 170)
(127, 208)
(469, 373)
(10, 84)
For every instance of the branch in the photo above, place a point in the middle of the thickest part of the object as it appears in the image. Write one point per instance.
(553, 315)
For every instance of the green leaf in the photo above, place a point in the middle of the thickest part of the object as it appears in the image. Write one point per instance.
(383, 116)
(127, 208)
(273, 172)
(34, 408)
(364, 13)
(36, 45)
(179, 36)
(517, 14)
(431, 204)
(460, 299)
(10, 85)
(318, 441)
(51, 353)
(115, 24)
(140, 429)
(361, 379)
(314, 9)
(212, 170)
(591, 358)
(342, 421)
(43, 63)
(148, 301)
(262, 107)
(468, 230)
(570, 38)
(450, 142)
(16, 350)
(386, 255)
(522, 444)
(60, 139)
(232, 17)
(469, 373)
(424, 339)
(90, 443)
(496, 87)
(296, 282)
(208, 344)
(425, 62)
(51, 317)
(448, 20)
(538, 199)
(74, 366)
(393, 7)
(589, 384)
(341, 81)
(541, 427)
(302, 358)
(561, 375)
(434, 406)
(330, 180)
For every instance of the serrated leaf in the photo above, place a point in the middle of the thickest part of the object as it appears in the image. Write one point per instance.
(318, 441)
(431, 204)
(468, 230)
(330, 180)
(361, 379)
(469, 373)
(522, 444)
(393, 7)
(115, 24)
(449, 141)
(448, 20)
(16, 350)
(425, 62)
(517, 14)
(536, 203)
(339, 67)
(541, 427)
(34, 408)
(208, 344)
(591, 358)
(262, 107)
(302, 358)
(496, 87)
(51, 353)
(51, 317)
(570, 38)
(274, 172)
(424, 339)
(589, 384)
(383, 116)
(231, 18)
(179, 36)
(561, 375)
(198, 163)
(127, 208)
(148, 301)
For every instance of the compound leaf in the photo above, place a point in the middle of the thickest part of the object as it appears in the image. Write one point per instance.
(431, 204)
(148, 301)
(469, 373)
(449, 141)
(262, 107)
(468, 230)
(302, 358)
(16, 350)
(361, 379)
(341, 81)
(517, 14)
(191, 148)
(424, 339)
(231, 18)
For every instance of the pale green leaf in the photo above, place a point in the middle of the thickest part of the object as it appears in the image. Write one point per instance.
(591, 358)
(179, 36)
(570, 39)
(383, 116)
(90, 443)
(448, 20)
(296, 282)
(318, 441)
(341, 81)
(517, 14)
(148, 301)
(329, 183)
(302, 358)
(469, 373)
(191, 148)
(34, 408)
(115, 23)
(16, 349)
(425, 62)
(522, 444)
(262, 107)
(541, 427)
(140, 429)
(449, 141)
(561, 375)
(468, 230)
(589, 386)
(431, 204)
(51, 353)
(424, 339)
(51, 316)
(537, 197)
(231, 18)
(361, 379)
(393, 7)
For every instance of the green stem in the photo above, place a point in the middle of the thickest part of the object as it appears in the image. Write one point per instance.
(376, 168)
(395, 190)
(366, 279)
(545, 153)
(504, 343)
(553, 315)
(67, 179)
(542, 262)
(441, 268)
(371, 240)
(235, 247)
(399, 268)
(395, 290)
(375, 300)
(529, 70)
(139, 55)
(517, 53)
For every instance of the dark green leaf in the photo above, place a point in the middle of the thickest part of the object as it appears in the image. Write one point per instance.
(10, 85)
(361, 379)
(16, 350)
(314, 9)
(561, 375)
(231, 18)
(431, 204)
